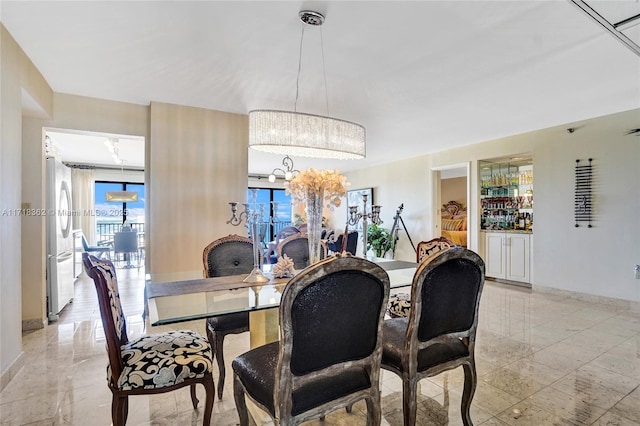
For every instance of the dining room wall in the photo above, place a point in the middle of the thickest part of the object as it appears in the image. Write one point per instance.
(592, 262)
(23, 92)
(198, 163)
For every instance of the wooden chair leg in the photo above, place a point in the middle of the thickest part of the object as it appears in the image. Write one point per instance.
(374, 411)
(194, 398)
(125, 409)
(216, 340)
(409, 401)
(118, 406)
(219, 345)
(241, 404)
(210, 391)
(470, 382)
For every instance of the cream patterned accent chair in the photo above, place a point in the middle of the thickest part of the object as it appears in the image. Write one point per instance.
(400, 304)
(328, 356)
(154, 363)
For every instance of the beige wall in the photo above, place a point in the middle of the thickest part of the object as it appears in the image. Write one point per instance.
(198, 164)
(454, 189)
(34, 289)
(10, 224)
(597, 261)
(20, 85)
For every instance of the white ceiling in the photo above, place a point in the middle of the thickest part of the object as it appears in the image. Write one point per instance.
(90, 148)
(421, 76)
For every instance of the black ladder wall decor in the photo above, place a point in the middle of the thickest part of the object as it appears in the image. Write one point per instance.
(582, 201)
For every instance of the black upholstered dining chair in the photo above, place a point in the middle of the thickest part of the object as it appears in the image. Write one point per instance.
(296, 247)
(155, 363)
(230, 255)
(440, 332)
(272, 252)
(400, 303)
(328, 356)
(350, 245)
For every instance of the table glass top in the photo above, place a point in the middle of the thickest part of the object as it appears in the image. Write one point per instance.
(185, 296)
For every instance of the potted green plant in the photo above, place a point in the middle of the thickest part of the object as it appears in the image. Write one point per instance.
(378, 240)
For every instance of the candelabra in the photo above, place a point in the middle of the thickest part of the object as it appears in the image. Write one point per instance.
(252, 216)
(354, 218)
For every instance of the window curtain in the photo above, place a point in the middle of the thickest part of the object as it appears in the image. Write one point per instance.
(83, 202)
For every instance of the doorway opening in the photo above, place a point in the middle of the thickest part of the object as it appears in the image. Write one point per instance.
(83, 161)
(451, 202)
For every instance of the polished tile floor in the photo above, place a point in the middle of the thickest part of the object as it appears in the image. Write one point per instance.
(542, 359)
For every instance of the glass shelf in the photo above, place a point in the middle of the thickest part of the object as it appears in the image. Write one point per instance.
(505, 193)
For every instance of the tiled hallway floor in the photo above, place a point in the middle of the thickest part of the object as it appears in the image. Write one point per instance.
(542, 359)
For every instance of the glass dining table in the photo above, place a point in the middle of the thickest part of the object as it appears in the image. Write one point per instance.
(186, 296)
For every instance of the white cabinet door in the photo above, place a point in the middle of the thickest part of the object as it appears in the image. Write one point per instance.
(508, 256)
(495, 265)
(517, 257)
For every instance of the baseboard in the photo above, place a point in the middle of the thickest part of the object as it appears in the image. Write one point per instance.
(509, 282)
(11, 372)
(33, 324)
(620, 304)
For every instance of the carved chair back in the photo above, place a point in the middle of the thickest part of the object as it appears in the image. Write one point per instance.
(114, 323)
(331, 326)
(230, 255)
(445, 298)
(296, 247)
(428, 249)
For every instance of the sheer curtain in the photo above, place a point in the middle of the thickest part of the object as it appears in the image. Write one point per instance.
(83, 201)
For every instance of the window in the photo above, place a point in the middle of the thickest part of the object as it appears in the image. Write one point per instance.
(111, 215)
(281, 217)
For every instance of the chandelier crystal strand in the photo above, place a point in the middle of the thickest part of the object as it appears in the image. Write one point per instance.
(305, 135)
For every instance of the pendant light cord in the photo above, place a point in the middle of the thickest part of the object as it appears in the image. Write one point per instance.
(324, 71)
(295, 105)
(324, 74)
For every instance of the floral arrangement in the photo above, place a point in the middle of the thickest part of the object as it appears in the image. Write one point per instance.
(331, 183)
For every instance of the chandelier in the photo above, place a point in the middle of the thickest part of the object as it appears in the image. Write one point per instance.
(288, 172)
(306, 135)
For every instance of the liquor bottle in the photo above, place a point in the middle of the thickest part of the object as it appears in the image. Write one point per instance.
(521, 221)
(527, 221)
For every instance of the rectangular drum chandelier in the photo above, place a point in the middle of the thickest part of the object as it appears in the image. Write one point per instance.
(306, 135)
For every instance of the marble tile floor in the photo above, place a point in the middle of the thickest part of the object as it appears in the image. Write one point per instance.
(542, 359)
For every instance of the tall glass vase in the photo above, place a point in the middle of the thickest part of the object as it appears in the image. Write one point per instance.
(314, 200)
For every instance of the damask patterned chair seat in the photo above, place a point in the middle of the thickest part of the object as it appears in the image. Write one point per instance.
(154, 363)
(165, 359)
(400, 303)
